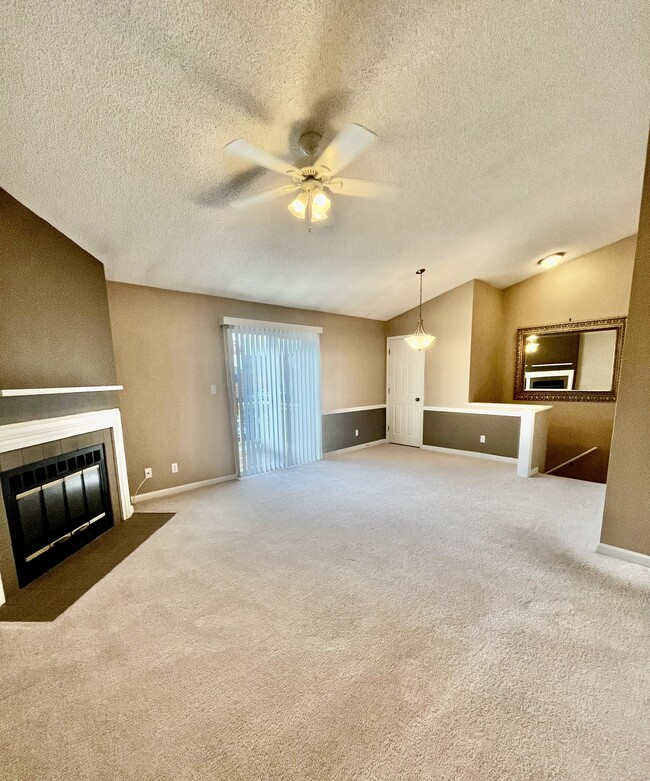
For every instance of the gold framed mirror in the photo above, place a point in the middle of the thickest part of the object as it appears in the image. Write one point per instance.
(569, 361)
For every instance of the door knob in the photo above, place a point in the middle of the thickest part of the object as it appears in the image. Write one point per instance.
(418, 398)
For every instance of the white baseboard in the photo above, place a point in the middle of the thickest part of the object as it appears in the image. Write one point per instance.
(625, 555)
(356, 447)
(181, 489)
(471, 453)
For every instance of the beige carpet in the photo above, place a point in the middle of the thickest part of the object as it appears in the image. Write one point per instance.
(387, 614)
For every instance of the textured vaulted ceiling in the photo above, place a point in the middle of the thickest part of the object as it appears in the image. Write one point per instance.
(513, 128)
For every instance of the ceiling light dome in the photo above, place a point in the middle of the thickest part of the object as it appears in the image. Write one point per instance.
(551, 260)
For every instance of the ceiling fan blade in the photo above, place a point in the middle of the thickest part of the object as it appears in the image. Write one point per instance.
(361, 188)
(258, 156)
(350, 142)
(264, 196)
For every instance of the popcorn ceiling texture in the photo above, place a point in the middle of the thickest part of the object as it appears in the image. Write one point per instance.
(513, 127)
(382, 615)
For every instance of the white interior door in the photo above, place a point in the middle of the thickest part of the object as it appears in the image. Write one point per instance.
(404, 393)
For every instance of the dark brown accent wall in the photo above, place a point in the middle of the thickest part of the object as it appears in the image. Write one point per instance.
(626, 521)
(54, 323)
(339, 428)
(462, 431)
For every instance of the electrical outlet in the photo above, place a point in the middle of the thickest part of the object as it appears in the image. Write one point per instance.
(174, 468)
(148, 472)
(356, 432)
(213, 390)
(482, 439)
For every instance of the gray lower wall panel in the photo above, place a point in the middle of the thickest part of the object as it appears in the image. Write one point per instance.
(462, 431)
(339, 428)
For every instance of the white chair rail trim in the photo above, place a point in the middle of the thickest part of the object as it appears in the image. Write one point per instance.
(353, 409)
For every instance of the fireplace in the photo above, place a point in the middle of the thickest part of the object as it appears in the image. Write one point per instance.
(54, 507)
(69, 484)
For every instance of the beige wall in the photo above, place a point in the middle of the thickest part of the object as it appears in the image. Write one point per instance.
(54, 322)
(594, 286)
(487, 345)
(169, 351)
(626, 521)
(447, 363)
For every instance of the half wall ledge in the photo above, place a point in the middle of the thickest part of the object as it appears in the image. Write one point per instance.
(521, 441)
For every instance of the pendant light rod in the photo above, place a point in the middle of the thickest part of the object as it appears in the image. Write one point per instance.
(420, 340)
(419, 272)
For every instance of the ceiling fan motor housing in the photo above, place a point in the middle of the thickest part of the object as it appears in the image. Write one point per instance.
(310, 174)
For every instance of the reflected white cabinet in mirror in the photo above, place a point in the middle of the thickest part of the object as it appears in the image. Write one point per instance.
(569, 361)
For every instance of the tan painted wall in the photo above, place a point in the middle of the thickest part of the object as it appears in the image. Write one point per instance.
(447, 363)
(487, 343)
(594, 286)
(54, 322)
(169, 350)
(626, 521)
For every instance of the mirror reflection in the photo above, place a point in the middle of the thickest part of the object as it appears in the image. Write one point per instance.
(578, 360)
(569, 361)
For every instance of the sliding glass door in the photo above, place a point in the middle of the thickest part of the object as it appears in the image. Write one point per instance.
(274, 381)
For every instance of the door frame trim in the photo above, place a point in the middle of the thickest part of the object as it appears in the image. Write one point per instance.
(422, 379)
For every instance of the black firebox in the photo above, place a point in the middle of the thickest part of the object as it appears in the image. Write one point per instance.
(54, 507)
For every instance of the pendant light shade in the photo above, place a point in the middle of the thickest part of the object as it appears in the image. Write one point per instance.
(420, 340)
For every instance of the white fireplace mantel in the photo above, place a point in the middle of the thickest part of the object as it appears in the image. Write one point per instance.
(14, 436)
(54, 391)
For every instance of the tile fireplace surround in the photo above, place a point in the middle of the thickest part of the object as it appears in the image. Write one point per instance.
(18, 436)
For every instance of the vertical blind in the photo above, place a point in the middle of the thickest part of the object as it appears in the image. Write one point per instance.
(274, 381)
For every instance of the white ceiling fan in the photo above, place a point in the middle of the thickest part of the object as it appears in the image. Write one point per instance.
(314, 179)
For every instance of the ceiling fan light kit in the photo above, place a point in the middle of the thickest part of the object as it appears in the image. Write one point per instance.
(314, 181)
(312, 204)
(420, 339)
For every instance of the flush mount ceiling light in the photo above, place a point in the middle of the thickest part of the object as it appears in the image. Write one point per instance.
(420, 340)
(551, 260)
(314, 173)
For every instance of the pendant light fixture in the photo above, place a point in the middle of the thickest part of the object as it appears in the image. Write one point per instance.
(420, 340)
